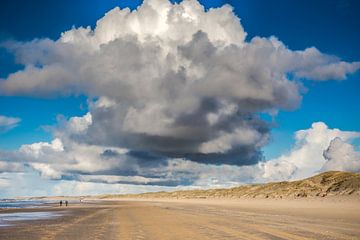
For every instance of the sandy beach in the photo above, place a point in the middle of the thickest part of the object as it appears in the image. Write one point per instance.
(194, 219)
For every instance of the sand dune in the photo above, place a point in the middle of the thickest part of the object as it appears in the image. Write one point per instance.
(323, 185)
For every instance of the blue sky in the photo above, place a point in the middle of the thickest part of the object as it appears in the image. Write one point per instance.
(331, 26)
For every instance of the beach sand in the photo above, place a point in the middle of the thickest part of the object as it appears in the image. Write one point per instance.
(195, 219)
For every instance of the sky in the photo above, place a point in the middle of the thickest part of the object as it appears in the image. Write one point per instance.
(132, 96)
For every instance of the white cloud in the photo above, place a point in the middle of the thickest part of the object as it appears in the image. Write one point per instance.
(4, 183)
(226, 141)
(6, 166)
(75, 188)
(94, 169)
(46, 170)
(331, 71)
(306, 158)
(80, 124)
(341, 156)
(42, 148)
(23, 184)
(7, 123)
(171, 79)
(277, 170)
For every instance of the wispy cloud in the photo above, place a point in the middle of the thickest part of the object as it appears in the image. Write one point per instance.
(7, 123)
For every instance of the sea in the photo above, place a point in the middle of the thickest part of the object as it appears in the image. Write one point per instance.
(11, 218)
(13, 203)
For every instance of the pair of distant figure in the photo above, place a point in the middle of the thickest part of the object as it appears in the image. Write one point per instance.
(61, 203)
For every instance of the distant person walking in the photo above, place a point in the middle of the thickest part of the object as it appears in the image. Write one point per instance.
(60, 203)
(66, 202)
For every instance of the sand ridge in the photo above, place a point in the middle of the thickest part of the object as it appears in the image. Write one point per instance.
(332, 183)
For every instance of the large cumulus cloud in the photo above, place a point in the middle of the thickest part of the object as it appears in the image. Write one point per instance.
(169, 85)
(179, 81)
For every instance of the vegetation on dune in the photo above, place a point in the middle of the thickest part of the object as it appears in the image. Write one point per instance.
(332, 183)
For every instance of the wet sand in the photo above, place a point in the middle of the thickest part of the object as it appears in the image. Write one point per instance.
(194, 219)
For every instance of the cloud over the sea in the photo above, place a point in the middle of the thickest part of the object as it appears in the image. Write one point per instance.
(175, 92)
(316, 149)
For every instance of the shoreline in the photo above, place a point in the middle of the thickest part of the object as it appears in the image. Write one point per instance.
(188, 218)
